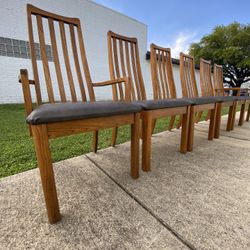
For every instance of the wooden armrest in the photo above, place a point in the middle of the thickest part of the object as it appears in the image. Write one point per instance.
(23, 72)
(111, 82)
(24, 80)
(124, 80)
(224, 89)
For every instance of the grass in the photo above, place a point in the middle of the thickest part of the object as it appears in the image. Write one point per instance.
(16, 146)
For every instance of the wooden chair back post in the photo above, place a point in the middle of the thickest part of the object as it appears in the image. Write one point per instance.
(124, 61)
(162, 73)
(218, 79)
(205, 78)
(71, 42)
(187, 75)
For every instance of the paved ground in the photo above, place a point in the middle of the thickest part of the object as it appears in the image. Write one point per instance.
(200, 200)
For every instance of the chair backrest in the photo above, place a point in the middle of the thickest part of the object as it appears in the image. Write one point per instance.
(218, 79)
(205, 78)
(124, 61)
(162, 72)
(187, 75)
(72, 57)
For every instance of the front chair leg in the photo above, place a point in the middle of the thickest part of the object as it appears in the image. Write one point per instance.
(233, 116)
(212, 123)
(135, 141)
(184, 131)
(248, 112)
(95, 141)
(46, 171)
(114, 136)
(191, 130)
(218, 121)
(242, 114)
(146, 140)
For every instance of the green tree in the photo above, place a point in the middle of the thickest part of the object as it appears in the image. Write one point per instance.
(230, 47)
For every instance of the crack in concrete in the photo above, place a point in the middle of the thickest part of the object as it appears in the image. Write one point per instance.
(161, 221)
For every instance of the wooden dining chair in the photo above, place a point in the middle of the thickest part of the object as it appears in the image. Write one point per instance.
(124, 61)
(190, 91)
(242, 101)
(207, 89)
(64, 114)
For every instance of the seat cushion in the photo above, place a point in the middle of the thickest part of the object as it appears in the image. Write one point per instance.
(60, 112)
(242, 98)
(204, 100)
(228, 98)
(161, 104)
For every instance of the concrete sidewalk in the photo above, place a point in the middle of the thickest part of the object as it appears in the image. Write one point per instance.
(200, 200)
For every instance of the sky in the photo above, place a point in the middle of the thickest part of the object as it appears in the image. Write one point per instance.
(178, 23)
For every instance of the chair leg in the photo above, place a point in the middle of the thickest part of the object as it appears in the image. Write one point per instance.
(248, 113)
(191, 130)
(184, 131)
(153, 125)
(180, 122)
(114, 136)
(212, 123)
(95, 141)
(208, 115)
(171, 123)
(146, 140)
(242, 114)
(46, 171)
(218, 121)
(198, 117)
(135, 140)
(233, 116)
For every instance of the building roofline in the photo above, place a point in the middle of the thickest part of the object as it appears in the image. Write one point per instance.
(117, 12)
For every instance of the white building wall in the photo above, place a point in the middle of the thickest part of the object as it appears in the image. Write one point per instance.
(96, 20)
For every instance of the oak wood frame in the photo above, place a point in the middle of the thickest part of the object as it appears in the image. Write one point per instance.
(220, 90)
(207, 89)
(128, 51)
(42, 133)
(190, 90)
(124, 50)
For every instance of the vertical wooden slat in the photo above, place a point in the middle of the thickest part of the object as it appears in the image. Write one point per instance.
(122, 58)
(170, 76)
(182, 76)
(190, 83)
(164, 69)
(187, 78)
(163, 94)
(45, 59)
(195, 89)
(129, 70)
(33, 59)
(117, 69)
(136, 80)
(76, 60)
(56, 60)
(153, 68)
(138, 64)
(85, 63)
(111, 68)
(67, 61)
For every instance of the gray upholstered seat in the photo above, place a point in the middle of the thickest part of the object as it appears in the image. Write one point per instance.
(59, 112)
(204, 100)
(228, 98)
(242, 98)
(164, 103)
